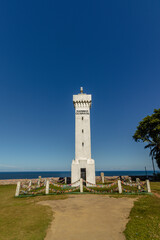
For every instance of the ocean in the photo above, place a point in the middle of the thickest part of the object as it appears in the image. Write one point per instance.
(30, 175)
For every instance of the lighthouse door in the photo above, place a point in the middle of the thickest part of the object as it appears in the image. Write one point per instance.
(83, 174)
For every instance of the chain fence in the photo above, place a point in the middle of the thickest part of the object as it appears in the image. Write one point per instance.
(51, 186)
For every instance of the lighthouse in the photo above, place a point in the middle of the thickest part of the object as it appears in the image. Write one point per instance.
(83, 166)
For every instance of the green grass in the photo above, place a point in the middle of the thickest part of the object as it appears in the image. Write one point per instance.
(105, 183)
(99, 189)
(131, 188)
(155, 187)
(144, 221)
(23, 218)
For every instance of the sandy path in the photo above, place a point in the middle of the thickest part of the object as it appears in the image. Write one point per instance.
(89, 217)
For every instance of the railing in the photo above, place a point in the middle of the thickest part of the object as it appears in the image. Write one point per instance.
(50, 186)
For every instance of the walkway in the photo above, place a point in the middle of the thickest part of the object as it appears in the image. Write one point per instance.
(89, 217)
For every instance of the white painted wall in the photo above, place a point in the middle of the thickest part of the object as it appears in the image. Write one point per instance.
(82, 104)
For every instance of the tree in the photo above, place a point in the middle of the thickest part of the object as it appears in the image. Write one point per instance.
(148, 131)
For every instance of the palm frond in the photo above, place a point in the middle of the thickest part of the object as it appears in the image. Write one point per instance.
(150, 145)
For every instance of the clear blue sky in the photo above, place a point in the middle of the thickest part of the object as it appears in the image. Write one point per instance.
(48, 49)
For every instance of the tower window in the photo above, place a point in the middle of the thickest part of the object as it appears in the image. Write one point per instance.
(82, 144)
(82, 131)
(82, 118)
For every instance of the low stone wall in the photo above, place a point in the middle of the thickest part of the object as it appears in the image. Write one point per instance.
(14, 181)
(106, 178)
(98, 179)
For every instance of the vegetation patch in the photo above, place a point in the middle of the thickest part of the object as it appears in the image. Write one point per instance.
(155, 187)
(144, 223)
(23, 218)
(103, 189)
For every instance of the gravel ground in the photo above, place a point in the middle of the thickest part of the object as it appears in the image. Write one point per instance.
(89, 217)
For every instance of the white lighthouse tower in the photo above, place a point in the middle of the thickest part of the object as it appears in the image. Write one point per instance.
(82, 166)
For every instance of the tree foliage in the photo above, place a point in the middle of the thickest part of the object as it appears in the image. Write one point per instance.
(148, 131)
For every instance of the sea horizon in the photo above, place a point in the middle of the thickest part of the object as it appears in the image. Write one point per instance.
(36, 174)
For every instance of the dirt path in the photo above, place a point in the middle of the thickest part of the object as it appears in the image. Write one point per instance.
(157, 194)
(89, 217)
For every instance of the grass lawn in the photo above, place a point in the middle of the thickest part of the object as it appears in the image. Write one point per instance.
(155, 187)
(23, 218)
(144, 223)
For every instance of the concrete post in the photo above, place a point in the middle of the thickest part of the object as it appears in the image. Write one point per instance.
(38, 183)
(81, 185)
(47, 187)
(139, 186)
(102, 177)
(130, 179)
(65, 180)
(30, 183)
(148, 186)
(45, 182)
(119, 186)
(138, 183)
(137, 180)
(17, 189)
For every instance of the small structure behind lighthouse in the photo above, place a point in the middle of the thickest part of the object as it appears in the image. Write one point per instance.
(82, 166)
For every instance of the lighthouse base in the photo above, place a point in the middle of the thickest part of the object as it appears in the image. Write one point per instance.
(83, 169)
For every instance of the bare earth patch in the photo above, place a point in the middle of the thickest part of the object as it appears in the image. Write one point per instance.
(89, 217)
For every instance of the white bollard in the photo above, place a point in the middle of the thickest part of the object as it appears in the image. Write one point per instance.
(138, 183)
(139, 186)
(38, 183)
(45, 182)
(130, 179)
(47, 187)
(17, 189)
(29, 186)
(65, 180)
(119, 186)
(102, 179)
(137, 180)
(81, 185)
(148, 186)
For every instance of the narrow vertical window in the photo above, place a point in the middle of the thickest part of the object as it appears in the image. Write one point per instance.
(82, 144)
(82, 131)
(82, 118)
